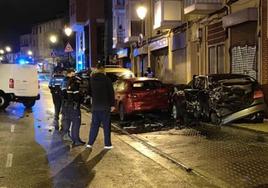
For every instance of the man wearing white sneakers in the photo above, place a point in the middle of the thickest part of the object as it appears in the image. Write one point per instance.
(103, 101)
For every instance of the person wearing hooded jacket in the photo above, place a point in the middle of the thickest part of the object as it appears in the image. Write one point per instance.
(103, 102)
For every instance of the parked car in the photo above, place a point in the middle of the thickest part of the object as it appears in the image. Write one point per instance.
(137, 95)
(113, 72)
(18, 83)
(219, 98)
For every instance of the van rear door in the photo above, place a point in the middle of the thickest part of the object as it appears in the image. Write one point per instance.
(25, 80)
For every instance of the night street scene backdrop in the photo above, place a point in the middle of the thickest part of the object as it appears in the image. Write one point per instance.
(133, 93)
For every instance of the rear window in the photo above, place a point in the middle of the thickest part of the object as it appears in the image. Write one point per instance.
(146, 85)
(114, 76)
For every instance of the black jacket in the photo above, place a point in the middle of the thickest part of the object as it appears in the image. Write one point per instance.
(102, 92)
(71, 90)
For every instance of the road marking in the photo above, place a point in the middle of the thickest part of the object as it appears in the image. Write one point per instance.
(12, 129)
(9, 160)
(3, 187)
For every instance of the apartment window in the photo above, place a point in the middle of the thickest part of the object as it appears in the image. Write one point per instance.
(120, 2)
(136, 28)
(216, 59)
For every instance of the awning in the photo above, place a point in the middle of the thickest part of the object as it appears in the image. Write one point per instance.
(249, 14)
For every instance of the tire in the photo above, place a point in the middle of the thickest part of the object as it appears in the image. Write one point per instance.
(122, 113)
(29, 103)
(258, 118)
(215, 119)
(4, 101)
(174, 112)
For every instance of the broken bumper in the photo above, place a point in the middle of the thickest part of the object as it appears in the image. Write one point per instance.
(244, 113)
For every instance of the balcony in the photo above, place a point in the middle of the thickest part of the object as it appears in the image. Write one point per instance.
(201, 6)
(167, 14)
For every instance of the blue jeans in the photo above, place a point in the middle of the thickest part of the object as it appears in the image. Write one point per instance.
(99, 117)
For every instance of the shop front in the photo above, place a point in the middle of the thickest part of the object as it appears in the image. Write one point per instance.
(140, 60)
(159, 58)
(243, 48)
(123, 56)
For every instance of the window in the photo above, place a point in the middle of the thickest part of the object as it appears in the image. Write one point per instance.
(216, 59)
(147, 85)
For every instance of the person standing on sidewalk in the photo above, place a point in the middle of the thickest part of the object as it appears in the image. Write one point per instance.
(71, 112)
(103, 102)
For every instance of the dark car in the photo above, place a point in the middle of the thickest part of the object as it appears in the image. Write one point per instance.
(219, 98)
(113, 72)
(138, 95)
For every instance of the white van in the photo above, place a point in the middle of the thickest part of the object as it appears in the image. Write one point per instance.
(18, 83)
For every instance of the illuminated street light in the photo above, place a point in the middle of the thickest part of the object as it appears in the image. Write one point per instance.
(8, 49)
(2, 51)
(53, 39)
(1, 58)
(141, 12)
(30, 53)
(68, 31)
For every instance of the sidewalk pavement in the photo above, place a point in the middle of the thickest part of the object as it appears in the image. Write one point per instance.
(123, 166)
(257, 127)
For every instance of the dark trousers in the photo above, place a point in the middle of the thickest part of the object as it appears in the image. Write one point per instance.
(71, 116)
(99, 117)
(57, 105)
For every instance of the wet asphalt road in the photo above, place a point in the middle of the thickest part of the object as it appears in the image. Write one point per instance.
(32, 154)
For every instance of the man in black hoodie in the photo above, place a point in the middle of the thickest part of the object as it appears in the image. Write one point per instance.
(103, 102)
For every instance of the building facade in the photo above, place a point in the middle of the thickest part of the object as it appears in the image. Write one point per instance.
(25, 43)
(90, 19)
(44, 52)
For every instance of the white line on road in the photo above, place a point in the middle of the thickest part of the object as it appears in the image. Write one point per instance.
(12, 129)
(3, 187)
(9, 160)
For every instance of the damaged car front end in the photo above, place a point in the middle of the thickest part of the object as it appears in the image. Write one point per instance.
(223, 98)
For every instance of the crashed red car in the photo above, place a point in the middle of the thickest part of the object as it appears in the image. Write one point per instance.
(219, 98)
(139, 95)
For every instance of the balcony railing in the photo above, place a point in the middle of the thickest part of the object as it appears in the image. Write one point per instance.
(201, 6)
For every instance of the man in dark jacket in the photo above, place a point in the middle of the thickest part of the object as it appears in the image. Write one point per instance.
(71, 113)
(55, 89)
(102, 104)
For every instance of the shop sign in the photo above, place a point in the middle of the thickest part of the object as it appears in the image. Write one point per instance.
(159, 44)
(122, 53)
(140, 51)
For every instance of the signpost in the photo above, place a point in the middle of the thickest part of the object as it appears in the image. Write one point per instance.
(68, 49)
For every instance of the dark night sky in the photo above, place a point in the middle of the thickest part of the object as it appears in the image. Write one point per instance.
(17, 17)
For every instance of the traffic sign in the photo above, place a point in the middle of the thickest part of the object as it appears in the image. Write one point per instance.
(68, 48)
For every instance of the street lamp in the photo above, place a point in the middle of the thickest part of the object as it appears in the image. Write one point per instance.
(68, 31)
(142, 12)
(2, 52)
(30, 53)
(8, 49)
(53, 39)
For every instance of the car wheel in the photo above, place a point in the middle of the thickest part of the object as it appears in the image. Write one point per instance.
(4, 102)
(122, 113)
(258, 118)
(174, 112)
(214, 118)
(29, 103)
